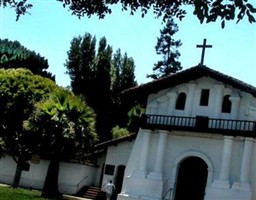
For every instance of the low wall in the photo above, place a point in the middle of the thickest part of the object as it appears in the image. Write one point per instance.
(72, 176)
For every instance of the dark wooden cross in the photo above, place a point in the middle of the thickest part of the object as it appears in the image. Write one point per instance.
(203, 46)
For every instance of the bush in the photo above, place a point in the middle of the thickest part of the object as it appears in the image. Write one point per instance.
(118, 132)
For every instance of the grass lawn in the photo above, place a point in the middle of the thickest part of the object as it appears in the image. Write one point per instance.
(8, 193)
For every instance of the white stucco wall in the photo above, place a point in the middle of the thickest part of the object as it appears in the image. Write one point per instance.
(181, 145)
(117, 155)
(70, 175)
(159, 102)
(253, 172)
(99, 171)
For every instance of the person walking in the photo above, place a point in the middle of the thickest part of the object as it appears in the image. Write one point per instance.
(110, 187)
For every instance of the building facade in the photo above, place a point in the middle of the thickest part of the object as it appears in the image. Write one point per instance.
(196, 140)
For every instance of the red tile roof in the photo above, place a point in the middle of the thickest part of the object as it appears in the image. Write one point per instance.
(115, 142)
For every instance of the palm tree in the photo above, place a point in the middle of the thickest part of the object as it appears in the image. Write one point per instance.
(66, 126)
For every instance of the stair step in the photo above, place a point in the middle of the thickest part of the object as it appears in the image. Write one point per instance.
(92, 193)
(96, 191)
(89, 189)
(94, 188)
(89, 197)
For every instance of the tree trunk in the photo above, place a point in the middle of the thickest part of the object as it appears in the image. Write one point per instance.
(50, 189)
(19, 168)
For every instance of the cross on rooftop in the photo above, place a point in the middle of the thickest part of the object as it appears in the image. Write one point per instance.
(203, 46)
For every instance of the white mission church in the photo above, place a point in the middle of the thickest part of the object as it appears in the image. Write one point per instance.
(196, 141)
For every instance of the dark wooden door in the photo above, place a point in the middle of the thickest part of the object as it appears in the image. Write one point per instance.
(119, 178)
(118, 181)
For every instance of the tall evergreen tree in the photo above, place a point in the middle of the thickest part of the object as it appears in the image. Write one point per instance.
(103, 84)
(14, 55)
(167, 46)
(73, 62)
(101, 78)
(80, 66)
(123, 78)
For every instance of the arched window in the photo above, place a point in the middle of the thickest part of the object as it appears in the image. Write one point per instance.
(181, 101)
(226, 104)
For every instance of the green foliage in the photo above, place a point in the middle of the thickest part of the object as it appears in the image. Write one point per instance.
(123, 68)
(123, 77)
(90, 76)
(19, 90)
(66, 126)
(20, 6)
(135, 115)
(167, 47)
(118, 132)
(81, 60)
(14, 55)
(102, 86)
(65, 123)
(100, 76)
(205, 11)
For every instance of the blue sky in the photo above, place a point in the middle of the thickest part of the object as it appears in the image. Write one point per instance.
(49, 29)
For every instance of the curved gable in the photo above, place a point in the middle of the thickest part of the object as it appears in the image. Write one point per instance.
(186, 76)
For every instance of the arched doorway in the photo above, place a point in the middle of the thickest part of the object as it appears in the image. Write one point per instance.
(191, 179)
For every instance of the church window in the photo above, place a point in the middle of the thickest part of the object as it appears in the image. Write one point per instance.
(204, 97)
(226, 104)
(181, 101)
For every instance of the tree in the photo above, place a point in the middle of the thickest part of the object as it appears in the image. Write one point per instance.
(135, 115)
(123, 77)
(167, 47)
(102, 87)
(80, 66)
(66, 126)
(90, 76)
(19, 90)
(205, 11)
(14, 55)
(100, 77)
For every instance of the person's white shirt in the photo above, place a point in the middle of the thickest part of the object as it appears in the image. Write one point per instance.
(110, 188)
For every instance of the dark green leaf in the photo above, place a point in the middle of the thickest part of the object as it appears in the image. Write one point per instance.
(251, 8)
(223, 24)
